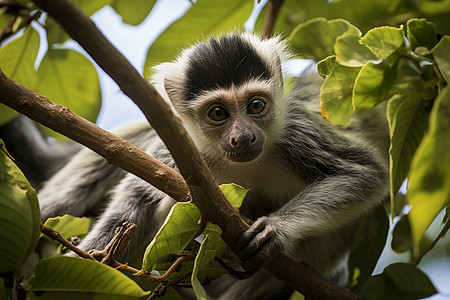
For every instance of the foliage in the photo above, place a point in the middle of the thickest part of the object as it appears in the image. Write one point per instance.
(74, 278)
(20, 216)
(180, 232)
(373, 54)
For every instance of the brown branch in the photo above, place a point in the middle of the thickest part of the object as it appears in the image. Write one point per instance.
(60, 239)
(271, 16)
(199, 178)
(114, 247)
(116, 150)
(201, 183)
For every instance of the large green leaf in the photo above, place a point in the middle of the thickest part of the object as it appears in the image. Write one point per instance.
(17, 62)
(441, 54)
(369, 242)
(70, 79)
(372, 85)
(383, 41)
(202, 19)
(133, 12)
(19, 215)
(400, 282)
(336, 94)
(179, 229)
(64, 277)
(408, 121)
(328, 30)
(429, 187)
(68, 226)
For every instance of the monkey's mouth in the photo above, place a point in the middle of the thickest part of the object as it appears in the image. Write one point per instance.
(244, 156)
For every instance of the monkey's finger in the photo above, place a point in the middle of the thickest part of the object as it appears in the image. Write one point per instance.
(257, 244)
(263, 254)
(248, 236)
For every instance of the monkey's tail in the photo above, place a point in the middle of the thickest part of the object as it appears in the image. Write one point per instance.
(36, 156)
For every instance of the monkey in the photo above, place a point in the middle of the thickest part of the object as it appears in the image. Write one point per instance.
(310, 181)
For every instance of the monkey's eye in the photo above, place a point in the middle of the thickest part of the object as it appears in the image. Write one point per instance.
(256, 107)
(218, 114)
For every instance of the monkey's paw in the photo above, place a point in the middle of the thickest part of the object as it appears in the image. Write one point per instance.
(258, 245)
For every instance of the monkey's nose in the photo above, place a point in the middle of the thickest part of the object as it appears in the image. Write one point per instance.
(242, 142)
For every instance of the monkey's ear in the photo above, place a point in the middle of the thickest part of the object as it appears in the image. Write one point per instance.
(171, 90)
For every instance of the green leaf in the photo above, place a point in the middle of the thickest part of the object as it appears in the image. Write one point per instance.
(4, 291)
(204, 18)
(433, 7)
(408, 121)
(351, 53)
(133, 12)
(68, 226)
(421, 33)
(65, 277)
(199, 291)
(17, 62)
(302, 36)
(19, 217)
(179, 229)
(206, 268)
(296, 296)
(429, 186)
(234, 193)
(401, 236)
(383, 41)
(70, 79)
(325, 66)
(336, 94)
(55, 33)
(372, 85)
(369, 242)
(89, 7)
(399, 281)
(441, 53)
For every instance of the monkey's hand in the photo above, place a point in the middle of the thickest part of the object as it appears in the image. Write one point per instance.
(258, 245)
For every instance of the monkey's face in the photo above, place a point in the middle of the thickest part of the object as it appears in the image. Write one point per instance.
(235, 120)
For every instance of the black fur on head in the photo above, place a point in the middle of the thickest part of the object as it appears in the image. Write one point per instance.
(223, 62)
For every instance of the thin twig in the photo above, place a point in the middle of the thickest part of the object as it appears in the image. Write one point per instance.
(60, 239)
(119, 241)
(271, 16)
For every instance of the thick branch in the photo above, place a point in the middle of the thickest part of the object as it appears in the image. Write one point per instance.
(116, 150)
(201, 183)
(194, 170)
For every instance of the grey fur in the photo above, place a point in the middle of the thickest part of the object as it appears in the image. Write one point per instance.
(310, 186)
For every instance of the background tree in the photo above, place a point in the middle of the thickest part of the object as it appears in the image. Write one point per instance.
(405, 63)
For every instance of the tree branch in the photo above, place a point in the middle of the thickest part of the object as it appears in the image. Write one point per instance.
(114, 149)
(271, 16)
(60, 239)
(198, 177)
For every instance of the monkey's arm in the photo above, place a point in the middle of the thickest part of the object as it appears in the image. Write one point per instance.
(347, 179)
(83, 183)
(137, 201)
